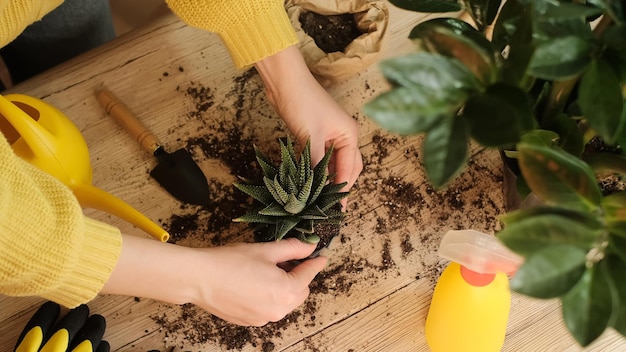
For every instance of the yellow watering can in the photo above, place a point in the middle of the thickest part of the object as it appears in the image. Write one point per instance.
(42, 135)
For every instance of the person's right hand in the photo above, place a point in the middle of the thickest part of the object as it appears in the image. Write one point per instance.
(242, 283)
(248, 286)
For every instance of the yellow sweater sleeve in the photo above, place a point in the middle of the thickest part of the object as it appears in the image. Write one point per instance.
(15, 15)
(48, 248)
(251, 30)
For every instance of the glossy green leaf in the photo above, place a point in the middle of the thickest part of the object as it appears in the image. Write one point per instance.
(570, 136)
(550, 272)
(601, 101)
(560, 58)
(429, 6)
(616, 269)
(585, 219)
(588, 307)
(499, 116)
(430, 71)
(532, 234)
(445, 150)
(558, 177)
(455, 38)
(538, 137)
(408, 110)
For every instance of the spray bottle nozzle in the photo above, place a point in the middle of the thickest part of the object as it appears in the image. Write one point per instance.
(478, 252)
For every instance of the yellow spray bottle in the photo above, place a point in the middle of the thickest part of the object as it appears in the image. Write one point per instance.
(470, 307)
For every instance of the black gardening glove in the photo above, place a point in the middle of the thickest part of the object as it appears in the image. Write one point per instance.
(75, 332)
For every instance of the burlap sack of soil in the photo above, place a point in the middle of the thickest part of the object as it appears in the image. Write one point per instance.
(371, 17)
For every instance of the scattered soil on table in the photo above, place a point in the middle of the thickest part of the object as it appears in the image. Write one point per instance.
(400, 205)
(331, 33)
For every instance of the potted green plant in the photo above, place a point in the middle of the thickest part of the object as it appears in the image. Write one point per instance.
(542, 81)
(294, 198)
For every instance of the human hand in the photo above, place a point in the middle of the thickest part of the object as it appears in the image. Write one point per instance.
(75, 332)
(310, 112)
(242, 283)
(251, 285)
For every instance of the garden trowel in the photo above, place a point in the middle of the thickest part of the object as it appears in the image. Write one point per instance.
(176, 172)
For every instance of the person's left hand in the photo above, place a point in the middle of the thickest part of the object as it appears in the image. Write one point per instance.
(310, 112)
(75, 332)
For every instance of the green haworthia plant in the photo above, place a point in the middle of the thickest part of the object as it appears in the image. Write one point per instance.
(294, 196)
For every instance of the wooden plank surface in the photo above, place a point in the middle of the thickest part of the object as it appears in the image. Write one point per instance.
(375, 293)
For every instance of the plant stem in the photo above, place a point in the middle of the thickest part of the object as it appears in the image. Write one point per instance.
(559, 93)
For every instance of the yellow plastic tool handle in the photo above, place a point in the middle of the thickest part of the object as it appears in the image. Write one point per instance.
(92, 197)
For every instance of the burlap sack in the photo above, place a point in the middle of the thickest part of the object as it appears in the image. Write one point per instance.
(371, 18)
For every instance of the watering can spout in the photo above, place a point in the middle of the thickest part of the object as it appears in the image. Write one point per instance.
(43, 136)
(92, 197)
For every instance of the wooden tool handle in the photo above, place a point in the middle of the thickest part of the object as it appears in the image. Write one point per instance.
(128, 120)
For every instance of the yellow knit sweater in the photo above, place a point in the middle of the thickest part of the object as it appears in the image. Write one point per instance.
(47, 247)
(251, 30)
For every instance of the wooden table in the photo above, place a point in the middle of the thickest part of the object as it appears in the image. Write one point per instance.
(374, 295)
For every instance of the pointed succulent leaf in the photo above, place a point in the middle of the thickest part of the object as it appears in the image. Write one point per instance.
(321, 167)
(255, 217)
(550, 272)
(305, 160)
(313, 239)
(333, 187)
(325, 201)
(290, 185)
(291, 150)
(282, 193)
(334, 214)
(269, 170)
(313, 213)
(284, 226)
(269, 184)
(305, 226)
(257, 192)
(294, 205)
(319, 187)
(275, 210)
(287, 165)
(588, 307)
(305, 191)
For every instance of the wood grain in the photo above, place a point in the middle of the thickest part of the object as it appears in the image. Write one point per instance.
(392, 257)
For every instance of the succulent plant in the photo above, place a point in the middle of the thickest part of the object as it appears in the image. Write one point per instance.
(294, 196)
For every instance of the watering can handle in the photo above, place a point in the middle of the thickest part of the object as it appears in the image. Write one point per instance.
(37, 138)
(127, 119)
